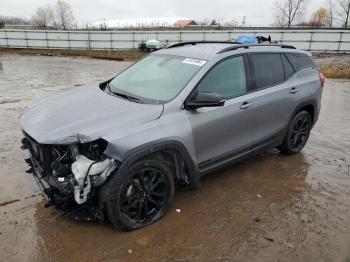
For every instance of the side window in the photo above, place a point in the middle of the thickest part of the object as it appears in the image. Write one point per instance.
(288, 69)
(227, 78)
(300, 60)
(267, 69)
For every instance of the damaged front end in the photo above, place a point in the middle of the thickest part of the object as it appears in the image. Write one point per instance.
(69, 175)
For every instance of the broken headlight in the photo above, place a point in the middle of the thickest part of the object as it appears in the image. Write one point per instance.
(94, 150)
(91, 168)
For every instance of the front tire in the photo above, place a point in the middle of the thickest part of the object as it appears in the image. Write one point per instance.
(298, 133)
(141, 196)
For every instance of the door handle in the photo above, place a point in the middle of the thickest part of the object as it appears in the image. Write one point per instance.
(294, 90)
(246, 105)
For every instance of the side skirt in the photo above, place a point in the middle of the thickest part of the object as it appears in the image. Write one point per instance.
(211, 165)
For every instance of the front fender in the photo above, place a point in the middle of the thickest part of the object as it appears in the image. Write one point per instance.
(159, 145)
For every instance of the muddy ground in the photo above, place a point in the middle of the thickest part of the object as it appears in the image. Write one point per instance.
(332, 59)
(268, 208)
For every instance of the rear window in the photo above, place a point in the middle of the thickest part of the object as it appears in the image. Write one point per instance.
(299, 61)
(267, 69)
(288, 69)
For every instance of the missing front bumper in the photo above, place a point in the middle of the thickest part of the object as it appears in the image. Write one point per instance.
(59, 185)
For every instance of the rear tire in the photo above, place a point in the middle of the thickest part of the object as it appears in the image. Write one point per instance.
(298, 133)
(141, 196)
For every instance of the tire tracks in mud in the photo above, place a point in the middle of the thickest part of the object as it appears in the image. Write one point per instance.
(6, 203)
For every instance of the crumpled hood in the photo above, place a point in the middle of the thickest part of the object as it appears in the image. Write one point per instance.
(83, 115)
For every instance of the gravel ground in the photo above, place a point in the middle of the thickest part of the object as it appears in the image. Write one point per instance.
(268, 208)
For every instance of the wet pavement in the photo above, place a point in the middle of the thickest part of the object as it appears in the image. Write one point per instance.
(268, 208)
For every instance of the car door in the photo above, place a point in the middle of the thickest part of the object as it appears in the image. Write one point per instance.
(273, 98)
(222, 132)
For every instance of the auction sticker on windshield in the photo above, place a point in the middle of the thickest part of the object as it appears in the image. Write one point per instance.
(193, 61)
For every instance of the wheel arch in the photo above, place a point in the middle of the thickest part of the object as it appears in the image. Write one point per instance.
(159, 147)
(146, 150)
(308, 106)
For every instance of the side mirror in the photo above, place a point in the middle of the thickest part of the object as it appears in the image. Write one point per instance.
(205, 100)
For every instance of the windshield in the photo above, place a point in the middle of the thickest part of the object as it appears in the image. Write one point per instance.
(156, 78)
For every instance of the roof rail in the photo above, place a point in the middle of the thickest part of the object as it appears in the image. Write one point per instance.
(201, 42)
(231, 48)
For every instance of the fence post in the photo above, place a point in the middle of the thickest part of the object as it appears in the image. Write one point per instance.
(88, 42)
(7, 40)
(26, 38)
(47, 40)
(282, 37)
(111, 39)
(68, 39)
(311, 39)
(133, 39)
(340, 41)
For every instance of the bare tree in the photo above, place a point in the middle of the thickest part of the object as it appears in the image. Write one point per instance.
(12, 20)
(343, 12)
(229, 23)
(64, 15)
(330, 4)
(289, 12)
(52, 15)
(42, 17)
(59, 16)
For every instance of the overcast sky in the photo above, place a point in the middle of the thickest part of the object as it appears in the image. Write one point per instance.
(257, 12)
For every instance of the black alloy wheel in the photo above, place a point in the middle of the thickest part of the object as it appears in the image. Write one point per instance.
(298, 133)
(141, 196)
(144, 195)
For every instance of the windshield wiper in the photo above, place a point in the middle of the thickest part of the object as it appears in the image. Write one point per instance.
(130, 98)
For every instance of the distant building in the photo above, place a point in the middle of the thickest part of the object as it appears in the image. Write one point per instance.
(185, 23)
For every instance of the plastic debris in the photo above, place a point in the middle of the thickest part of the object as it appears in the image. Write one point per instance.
(246, 39)
(178, 210)
(288, 243)
(129, 251)
(258, 196)
(269, 239)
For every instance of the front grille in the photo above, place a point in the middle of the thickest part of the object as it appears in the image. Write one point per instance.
(41, 154)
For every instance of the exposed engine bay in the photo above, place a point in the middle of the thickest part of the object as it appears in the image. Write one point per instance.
(68, 175)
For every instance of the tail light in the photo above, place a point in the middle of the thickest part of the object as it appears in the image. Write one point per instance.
(322, 79)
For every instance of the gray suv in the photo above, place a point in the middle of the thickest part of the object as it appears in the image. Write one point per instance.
(117, 150)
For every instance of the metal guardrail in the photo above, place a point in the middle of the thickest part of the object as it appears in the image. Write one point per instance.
(312, 40)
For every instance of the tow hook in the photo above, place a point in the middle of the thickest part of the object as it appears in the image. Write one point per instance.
(24, 145)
